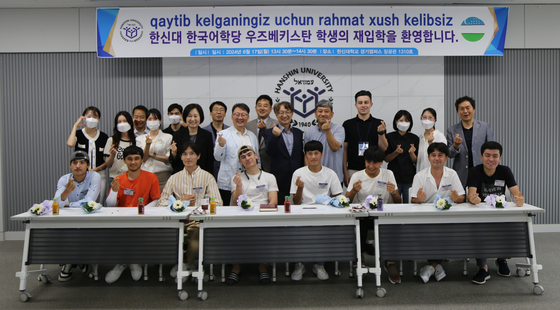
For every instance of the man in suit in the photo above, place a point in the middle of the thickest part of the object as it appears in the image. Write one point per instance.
(218, 112)
(259, 125)
(466, 138)
(284, 145)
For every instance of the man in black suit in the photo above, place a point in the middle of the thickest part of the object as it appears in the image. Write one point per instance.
(258, 126)
(284, 145)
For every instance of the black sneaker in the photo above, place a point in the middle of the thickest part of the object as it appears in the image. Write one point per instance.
(84, 268)
(503, 269)
(481, 276)
(370, 249)
(65, 273)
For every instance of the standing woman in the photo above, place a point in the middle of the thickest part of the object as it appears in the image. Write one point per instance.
(92, 141)
(431, 135)
(402, 152)
(123, 136)
(193, 116)
(156, 149)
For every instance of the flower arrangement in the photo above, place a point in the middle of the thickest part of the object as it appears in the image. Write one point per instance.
(442, 203)
(244, 202)
(496, 201)
(40, 209)
(178, 206)
(370, 202)
(343, 201)
(90, 206)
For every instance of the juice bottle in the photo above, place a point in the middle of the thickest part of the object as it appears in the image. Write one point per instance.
(55, 207)
(140, 205)
(213, 205)
(204, 202)
(287, 205)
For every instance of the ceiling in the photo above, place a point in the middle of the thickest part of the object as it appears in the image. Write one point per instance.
(171, 3)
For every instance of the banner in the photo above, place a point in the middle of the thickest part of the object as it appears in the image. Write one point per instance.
(301, 30)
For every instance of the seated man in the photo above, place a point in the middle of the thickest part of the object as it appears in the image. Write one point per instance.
(261, 188)
(126, 190)
(374, 181)
(308, 182)
(74, 188)
(491, 178)
(429, 182)
(191, 183)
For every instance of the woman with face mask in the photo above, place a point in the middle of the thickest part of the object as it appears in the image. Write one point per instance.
(123, 136)
(92, 141)
(431, 135)
(402, 152)
(156, 148)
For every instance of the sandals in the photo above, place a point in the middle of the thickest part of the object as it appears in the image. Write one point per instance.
(264, 278)
(233, 278)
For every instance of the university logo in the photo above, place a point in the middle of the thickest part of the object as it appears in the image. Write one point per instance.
(473, 29)
(304, 94)
(131, 30)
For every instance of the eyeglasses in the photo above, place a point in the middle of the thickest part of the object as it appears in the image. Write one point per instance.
(241, 114)
(218, 110)
(284, 113)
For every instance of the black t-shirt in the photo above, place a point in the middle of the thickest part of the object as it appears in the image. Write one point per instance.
(82, 144)
(468, 140)
(402, 166)
(495, 184)
(168, 130)
(356, 131)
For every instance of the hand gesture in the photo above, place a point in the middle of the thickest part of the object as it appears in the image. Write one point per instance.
(237, 180)
(221, 140)
(299, 182)
(381, 128)
(113, 150)
(115, 185)
(190, 198)
(391, 188)
(519, 200)
(412, 148)
(431, 138)
(326, 126)
(261, 125)
(276, 130)
(356, 187)
(399, 150)
(79, 122)
(454, 195)
(173, 148)
(474, 198)
(148, 140)
(70, 186)
(457, 141)
(421, 195)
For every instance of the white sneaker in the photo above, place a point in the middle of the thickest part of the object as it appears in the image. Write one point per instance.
(426, 272)
(439, 273)
(136, 271)
(320, 271)
(173, 272)
(113, 275)
(298, 272)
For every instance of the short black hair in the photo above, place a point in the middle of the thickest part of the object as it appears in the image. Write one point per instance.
(186, 145)
(218, 103)
(188, 109)
(400, 114)
(491, 145)
(174, 106)
(93, 109)
(463, 99)
(313, 145)
(265, 97)
(374, 154)
(442, 147)
(140, 107)
(242, 106)
(288, 106)
(133, 150)
(362, 93)
(155, 112)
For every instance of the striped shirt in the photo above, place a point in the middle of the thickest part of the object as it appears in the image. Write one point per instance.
(198, 183)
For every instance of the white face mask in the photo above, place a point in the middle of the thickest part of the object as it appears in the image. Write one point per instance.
(427, 124)
(174, 119)
(152, 125)
(403, 126)
(123, 127)
(91, 122)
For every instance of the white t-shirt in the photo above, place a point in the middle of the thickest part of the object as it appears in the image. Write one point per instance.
(449, 181)
(324, 182)
(118, 167)
(422, 161)
(373, 186)
(257, 188)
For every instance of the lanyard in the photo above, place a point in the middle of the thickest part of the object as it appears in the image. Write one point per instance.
(359, 135)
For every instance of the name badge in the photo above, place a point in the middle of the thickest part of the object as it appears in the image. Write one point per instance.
(446, 187)
(82, 146)
(323, 185)
(362, 147)
(500, 183)
(381, 184)
(101, 149)
(261, 188)
(129, 192)
(197, 190)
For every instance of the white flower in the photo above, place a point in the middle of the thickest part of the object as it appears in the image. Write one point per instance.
(37, 209)
(177, 204)
(92, 204)
(441, 204)
(249, 202)
(500, 199)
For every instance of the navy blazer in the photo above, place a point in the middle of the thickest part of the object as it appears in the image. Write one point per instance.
(283, 165)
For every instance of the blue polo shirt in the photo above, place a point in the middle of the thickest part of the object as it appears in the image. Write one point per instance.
(85, 191)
